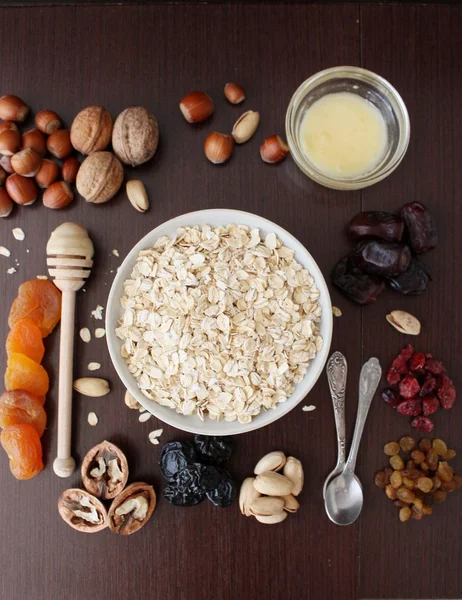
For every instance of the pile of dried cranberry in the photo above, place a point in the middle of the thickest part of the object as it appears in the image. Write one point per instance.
(387, 245)
(419, 386)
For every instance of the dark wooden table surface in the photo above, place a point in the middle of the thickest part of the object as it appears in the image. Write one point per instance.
(66, 58)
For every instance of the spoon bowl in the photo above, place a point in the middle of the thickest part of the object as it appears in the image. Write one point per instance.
(344, 498)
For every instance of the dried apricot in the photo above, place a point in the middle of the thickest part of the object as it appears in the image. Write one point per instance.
(18, 407)
(22, 444)
(39, 300)
(26, 338)
(22, 373)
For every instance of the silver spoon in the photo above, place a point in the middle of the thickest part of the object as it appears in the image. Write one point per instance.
(344, 493)
(337, 377)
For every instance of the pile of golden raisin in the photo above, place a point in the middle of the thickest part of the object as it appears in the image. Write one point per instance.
(425, 479)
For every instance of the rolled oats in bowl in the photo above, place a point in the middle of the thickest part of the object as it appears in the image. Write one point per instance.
(219, 322)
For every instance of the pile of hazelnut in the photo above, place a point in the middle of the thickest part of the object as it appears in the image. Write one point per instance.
(25, 167)
(218, 147)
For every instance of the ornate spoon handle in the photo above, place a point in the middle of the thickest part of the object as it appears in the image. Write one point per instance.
(336, 377)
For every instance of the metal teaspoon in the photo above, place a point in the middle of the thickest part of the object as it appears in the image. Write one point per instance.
(344, 493)
(337, 377)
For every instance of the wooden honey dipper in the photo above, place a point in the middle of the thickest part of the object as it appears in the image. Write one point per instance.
(69, 260)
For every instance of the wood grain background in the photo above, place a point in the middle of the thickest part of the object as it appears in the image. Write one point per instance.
(66, 58)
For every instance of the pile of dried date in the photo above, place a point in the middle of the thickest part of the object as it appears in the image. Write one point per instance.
(194, 471)
(387, 245)
(419, 386)
(426, 478)
(104, 476)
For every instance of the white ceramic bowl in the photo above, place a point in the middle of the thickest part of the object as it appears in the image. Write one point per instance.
(216, 217)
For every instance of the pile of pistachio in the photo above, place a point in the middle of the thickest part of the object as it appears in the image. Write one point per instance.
(271, 495)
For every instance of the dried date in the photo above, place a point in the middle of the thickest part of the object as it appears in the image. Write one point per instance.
(382, 258)
(354, 284)
(376, 224)
(420, 227)
(414, 281)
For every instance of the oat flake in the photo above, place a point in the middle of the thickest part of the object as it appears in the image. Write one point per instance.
(115, 252)
(92, 419)
(308, 408)
(98, 312)
(85, 335)
(336, 311)
(18, 234)
(4, 251)
(93, 366)
(100, 332)
(144, 417)
(11, 270)
(42, 277)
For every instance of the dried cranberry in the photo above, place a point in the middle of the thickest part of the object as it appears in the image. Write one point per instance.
(407, 352)
(423, 424)
(409, 387)
(410, 408)
(393, 377)
(417, 361)
(446, 392)
(435, 366)
(428, 386)
(430, 405)
(391, 397)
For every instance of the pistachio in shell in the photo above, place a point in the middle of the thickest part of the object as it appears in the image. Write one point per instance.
(135, 136)
(91, 130)
(105, 470)
(82, 511)
(100, 177)
(132, 509)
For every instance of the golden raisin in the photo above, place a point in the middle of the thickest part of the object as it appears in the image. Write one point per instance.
(380, 479)
(436, 484)
(408, 483)
(426, 509)
(405, 495)
(391, 448)
(425, 445)
(458, 481)
(439, 496)
(417, 456)
(390, 492)
(432, 459)
(449, 455)
(439, 446)
(397, 462)
(445, 471)
(424, 466)
(425, 484)
(404, 514)
(396, 480)
(449, 486)
(418, 503)
(407, 443)
(410, 464)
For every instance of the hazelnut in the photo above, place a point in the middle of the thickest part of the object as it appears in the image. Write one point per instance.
(234, 93)
(13, 108)
(8, 125)
(2, 175)
(70, 169)
(135, 136)
(10, 140)
(274, 149)
(6, 204)
(245, 126)
(59, 143)
(26, 162)
(218, 147)
(58, 195)
(196, 107)
(47, 121)
(5, 163)
(91, 130)
(36, 140)
(48, 172)
(100, 177)
(21, 190)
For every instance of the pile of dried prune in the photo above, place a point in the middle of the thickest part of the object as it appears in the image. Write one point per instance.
(419, 386)
(386, 245)
(194, 471)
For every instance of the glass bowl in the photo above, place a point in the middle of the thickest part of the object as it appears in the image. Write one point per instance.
(370, 86)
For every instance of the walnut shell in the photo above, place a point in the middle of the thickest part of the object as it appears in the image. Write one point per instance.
(135, 136)
(91, 130)
(136, 505)
(75, 503)
(105, 470)
(100, 177)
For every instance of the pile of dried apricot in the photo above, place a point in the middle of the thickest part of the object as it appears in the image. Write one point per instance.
(33, 315)
(425, 479)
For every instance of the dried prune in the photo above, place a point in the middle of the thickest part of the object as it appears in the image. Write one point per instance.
(213, 449)
(446, 392)
(430, 405)
(409, 387)
(427, 386)
(420, 227)
(209, 477)
(391, 397)
(354, 284)
(225, 492)
(414, 281)
(382, 258)
(176, 456)
(184, 488)
(417, 361)
(423, 424)
(376, 224)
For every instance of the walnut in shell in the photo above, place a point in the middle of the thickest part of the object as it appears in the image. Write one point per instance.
(132, 508)
(100, 177)
(105, 470)
(135, 136)
(91, 130)
(82, 511)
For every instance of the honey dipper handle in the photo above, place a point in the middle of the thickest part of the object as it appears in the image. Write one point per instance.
(64, 464)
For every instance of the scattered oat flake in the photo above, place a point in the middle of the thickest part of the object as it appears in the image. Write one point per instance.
(142, 409)
(93, 366)
(154, 435)
(336, 311)
(100, 332)
(98, 312)
(11, 270)
(42, 277)
(18, 234)
(4, 251)
(115, 252)
(308, 408)
(92, 419)
(85, 335)
(144, 417)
